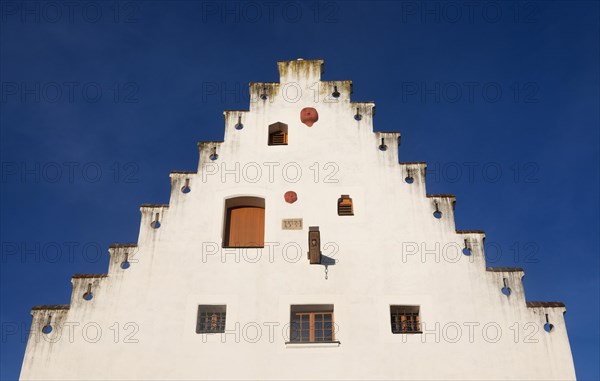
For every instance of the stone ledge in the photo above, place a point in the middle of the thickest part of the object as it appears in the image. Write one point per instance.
(332, 344)
(51, 307)
(121, 245)
(504, 269)
(545, 304)
(205, 142)
(80, 276)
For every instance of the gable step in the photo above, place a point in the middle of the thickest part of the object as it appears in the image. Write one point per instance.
(154, 206)
(79, 276)
(545, 304)
(505, 269)
(121, 245)
(441, 196)
(51, 307)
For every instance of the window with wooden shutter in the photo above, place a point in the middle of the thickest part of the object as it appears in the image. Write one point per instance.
(278, 134)
(345, 207)
(312, 324)
(405, 319)
(244, 222)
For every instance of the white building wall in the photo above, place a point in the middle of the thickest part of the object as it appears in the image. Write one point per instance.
(392, 251)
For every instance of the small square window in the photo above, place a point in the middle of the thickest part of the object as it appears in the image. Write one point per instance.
(211, 319)
(405, 319)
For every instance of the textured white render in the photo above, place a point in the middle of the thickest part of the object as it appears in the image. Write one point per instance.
(141, 322)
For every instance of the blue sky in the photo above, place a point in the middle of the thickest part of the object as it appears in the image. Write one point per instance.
(100, 101)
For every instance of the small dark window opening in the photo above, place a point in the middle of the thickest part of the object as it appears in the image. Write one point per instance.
(345, 207)
(405, 319)
(211, 319)
(278, 134)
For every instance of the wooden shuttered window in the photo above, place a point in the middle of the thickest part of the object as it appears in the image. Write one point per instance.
(278, 139)
(345, 207)
(245, 227)
(278, 134)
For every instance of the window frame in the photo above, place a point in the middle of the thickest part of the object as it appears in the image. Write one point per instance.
(219, 311)
(412, 319)
(316, 315)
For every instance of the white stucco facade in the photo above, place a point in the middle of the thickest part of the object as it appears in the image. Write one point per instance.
(141, 321)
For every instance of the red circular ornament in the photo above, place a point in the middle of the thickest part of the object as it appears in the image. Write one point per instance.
(309, 116)
(290, 197)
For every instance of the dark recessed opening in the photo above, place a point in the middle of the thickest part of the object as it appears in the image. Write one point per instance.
(211, 319)
(239, 125)
(336, 93)
(405, 319)
(278, 134)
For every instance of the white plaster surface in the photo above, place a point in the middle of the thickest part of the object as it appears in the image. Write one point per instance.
(392, 251)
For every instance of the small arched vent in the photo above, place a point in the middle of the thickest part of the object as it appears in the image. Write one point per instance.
(278, 134)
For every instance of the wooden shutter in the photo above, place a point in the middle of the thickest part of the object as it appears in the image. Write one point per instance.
(278, 134)
(278, 138)
(245, 227)
(345, 206)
